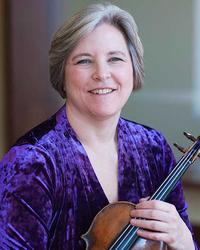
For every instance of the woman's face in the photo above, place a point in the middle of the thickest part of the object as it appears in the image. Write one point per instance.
(99, 74)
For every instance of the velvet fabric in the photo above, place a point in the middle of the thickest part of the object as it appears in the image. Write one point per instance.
(49, 193)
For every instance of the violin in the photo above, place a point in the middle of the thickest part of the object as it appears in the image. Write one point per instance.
(111, 228)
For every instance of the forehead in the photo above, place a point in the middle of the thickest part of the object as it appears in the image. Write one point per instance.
(104, 36)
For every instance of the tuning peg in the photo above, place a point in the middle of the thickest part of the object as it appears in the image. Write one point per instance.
(189, 136)
(183, 150)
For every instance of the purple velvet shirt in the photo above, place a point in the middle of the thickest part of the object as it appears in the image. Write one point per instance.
(49, 193)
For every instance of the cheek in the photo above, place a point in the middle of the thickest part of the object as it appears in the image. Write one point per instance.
(126, 77)
(130, 80)
(75, 82)
(70, 79)
(75, 77)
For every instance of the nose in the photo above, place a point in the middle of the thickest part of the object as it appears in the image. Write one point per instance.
(101, 72)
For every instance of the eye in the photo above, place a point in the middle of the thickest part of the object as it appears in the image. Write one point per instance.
(115, 59)
(85, 61)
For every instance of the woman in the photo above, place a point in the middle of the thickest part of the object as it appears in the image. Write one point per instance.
(58, 176)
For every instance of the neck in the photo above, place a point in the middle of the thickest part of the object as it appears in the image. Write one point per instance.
(92, 130)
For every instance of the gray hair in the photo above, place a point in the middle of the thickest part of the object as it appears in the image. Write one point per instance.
(85, 21)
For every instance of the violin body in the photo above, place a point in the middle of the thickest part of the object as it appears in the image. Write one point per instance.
(113, 219)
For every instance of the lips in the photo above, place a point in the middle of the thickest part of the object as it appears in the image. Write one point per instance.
(102, 91)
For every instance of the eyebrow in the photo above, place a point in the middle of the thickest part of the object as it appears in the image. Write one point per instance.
(114, 52)
(81, 55)
(117, 52)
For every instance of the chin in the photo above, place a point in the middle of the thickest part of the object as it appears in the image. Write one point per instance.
(102, 115)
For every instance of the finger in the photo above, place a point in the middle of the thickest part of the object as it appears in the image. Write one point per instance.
(157, 236)
(144, 199)
(157, 226)
(155, 204)
(151, 214)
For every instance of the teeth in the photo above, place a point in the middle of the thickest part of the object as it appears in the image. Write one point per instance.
(101, 91)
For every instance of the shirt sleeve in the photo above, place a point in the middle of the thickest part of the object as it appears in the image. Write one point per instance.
(29, 199)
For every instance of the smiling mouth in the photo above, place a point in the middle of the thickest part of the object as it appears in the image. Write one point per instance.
(102, 91)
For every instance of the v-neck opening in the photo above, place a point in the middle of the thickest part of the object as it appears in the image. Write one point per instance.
(94, 175)
(91, 170)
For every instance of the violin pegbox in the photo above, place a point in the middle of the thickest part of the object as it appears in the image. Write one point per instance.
(194, 140)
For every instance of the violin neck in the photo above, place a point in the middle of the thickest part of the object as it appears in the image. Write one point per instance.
(176, 174)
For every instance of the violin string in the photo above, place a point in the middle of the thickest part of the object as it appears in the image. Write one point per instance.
(130, 235)
(166, 186)
(122, 243)
(122, 239)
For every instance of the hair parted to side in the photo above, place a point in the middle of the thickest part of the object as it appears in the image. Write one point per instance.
(86, 20)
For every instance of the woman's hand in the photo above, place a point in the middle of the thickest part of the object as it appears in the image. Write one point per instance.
(164, 223)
